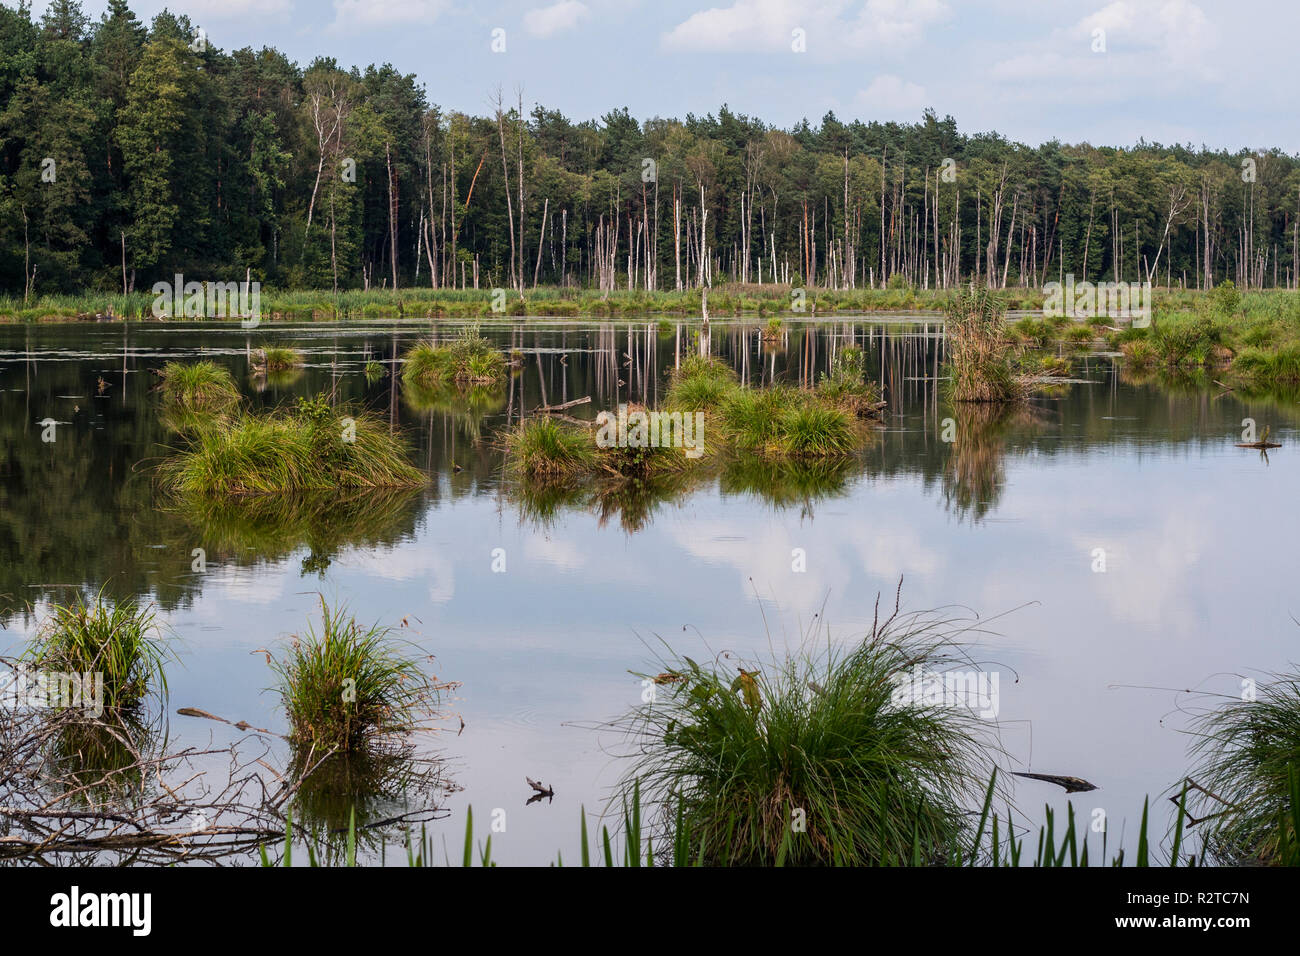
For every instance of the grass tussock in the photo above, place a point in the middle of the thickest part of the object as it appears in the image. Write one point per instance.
(309, 448)
(274, 358)
(198, 387)
(812, 759)
(549, 449)
(1249, 759)
(978, 362)
(468, 360)
(122, 642)
(700, 383)
(348, 688)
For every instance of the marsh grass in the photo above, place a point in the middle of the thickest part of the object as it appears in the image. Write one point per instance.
(729, 752)
(121, 641)
(348, 688)
(469, 359)
(978, 363)
(700, 383)
(547, 449)
(276, 358)
(1249, 757)
(1187, 340)
(309, 448)
(198, 387)
(1263, 369)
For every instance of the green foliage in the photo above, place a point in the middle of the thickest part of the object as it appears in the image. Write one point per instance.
(198, 387)
(468, 360)
(1249, 758)
(1225, 298)
(544, 448)
(275, 358)
(120, 641)
(700, 383)
(845, 386)
(348, 687)
(978, 366)
(312, 448)
(811, 759)
(1186, 340)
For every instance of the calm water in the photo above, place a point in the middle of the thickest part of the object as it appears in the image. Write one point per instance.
(1198, 540)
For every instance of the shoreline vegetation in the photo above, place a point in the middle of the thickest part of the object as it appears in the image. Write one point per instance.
(1252, 337)
(732, 299)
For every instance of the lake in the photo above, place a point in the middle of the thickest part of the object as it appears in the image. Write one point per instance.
(1133, 558)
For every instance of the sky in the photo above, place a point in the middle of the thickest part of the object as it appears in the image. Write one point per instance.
(1221, 73)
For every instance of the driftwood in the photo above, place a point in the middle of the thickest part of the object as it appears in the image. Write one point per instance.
(241, 725)
(548, 409)
(82, 790)
(1263, 442)
(1071, 784)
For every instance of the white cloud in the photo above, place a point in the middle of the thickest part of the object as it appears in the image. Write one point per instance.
(1147, 42)
(831, 27)
(890, 97)
(557, 18)
(362, 14)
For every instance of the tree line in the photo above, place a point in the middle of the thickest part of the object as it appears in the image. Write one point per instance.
(131, 153)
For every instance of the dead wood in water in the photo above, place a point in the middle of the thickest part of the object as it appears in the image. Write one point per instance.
(548, 409)
(1071, 784)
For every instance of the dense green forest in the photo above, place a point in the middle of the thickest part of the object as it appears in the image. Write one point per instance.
(131, 153)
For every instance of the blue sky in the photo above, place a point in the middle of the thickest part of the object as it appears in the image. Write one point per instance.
(1218, 72)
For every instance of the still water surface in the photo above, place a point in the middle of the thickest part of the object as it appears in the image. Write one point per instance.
(1198, 536)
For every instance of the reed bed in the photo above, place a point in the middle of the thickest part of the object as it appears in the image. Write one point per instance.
(275, 358)
(978, 361)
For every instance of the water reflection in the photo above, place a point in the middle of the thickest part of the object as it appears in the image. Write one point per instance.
(81, 512)
(1007, 513)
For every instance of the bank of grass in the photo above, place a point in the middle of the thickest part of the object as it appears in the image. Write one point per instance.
(348, 687)
(467, 360)
(725, 299)
(779, 423)
(310, 447)
(198, 387)
(122, 642)
(812, 759)
(1246, 785)
(1249, 339)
